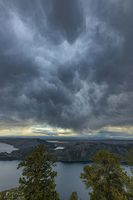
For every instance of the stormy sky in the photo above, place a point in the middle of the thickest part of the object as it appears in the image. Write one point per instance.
(66, 66)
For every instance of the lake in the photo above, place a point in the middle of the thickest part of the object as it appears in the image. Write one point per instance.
(68, 179)
(6, 148)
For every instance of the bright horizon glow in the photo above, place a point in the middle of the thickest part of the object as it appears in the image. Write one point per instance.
(38, 130)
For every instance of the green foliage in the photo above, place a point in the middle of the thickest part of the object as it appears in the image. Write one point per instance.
(13, 194)
(74, 196)
(37, 181)
(106, 178)
(130, 161)
(130, 157)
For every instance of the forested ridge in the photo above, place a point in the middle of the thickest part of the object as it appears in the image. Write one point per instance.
(70, 151)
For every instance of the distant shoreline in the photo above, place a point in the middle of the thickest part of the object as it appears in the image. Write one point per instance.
(70, 151)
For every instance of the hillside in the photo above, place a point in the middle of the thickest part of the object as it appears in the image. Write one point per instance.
(66, 150)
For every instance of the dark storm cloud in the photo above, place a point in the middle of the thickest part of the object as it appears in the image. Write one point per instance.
(66, 63)
(67, 17)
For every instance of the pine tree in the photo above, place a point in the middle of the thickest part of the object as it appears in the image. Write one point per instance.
(74, 196)
(37, 181)
(130, 157)
(106, 178)
(130, 162)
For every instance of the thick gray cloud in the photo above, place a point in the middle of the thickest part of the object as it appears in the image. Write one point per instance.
(66, 63)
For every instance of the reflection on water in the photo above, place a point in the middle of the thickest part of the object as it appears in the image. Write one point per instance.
(68, 179)
(6, 148)
(9, 174)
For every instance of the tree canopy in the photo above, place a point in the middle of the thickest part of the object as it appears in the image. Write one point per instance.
(106, 178)
(37, 181)
(74, 196)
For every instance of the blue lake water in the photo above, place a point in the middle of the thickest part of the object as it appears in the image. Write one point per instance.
(68, 179)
